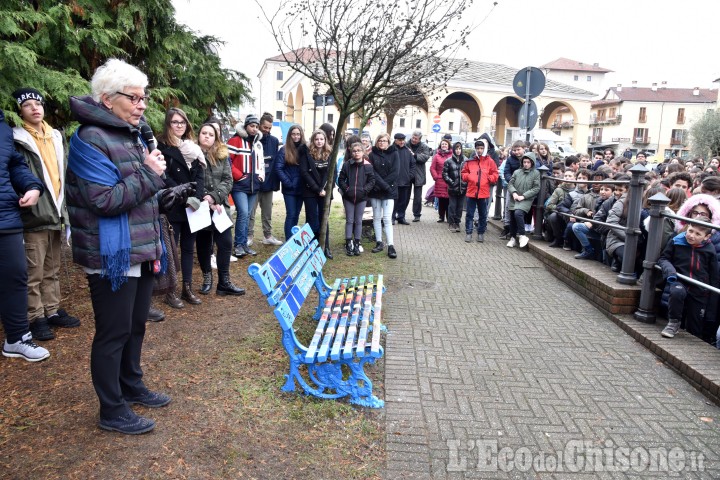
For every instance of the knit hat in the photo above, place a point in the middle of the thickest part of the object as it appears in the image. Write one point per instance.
(251, 118)
(21, 95)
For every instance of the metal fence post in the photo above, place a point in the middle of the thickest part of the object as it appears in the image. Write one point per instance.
(540, 207)
(499, 196)
(627, 275)
(645, 313)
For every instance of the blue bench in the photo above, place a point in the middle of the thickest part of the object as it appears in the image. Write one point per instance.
(348, 316)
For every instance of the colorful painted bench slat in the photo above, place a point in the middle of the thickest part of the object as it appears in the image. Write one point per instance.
(286, 279)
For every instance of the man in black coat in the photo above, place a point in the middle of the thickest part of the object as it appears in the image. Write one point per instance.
(422, 153)
(405, 180)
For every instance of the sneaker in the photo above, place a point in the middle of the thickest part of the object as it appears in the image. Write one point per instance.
(468, 237)
(391, 252)
(512, 243)
(129, 424)
(416, 219)
(62, 319)
(25, 348)
(586, 254)
(481, 237)
(40, 329)
(566, 245)
(213, 262)
(155, 314)
(524, 239)
(271, 241)
(249, 251)
(233, 258)
(379, 247)
(250, 240)
(672, 329)
(150, 399)
(239, 252)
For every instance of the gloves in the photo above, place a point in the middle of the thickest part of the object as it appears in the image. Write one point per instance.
(170, 198)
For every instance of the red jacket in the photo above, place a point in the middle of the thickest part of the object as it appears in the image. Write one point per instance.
(479, 174)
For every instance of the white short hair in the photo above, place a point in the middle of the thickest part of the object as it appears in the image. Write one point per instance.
(115, 76)
(417, 133)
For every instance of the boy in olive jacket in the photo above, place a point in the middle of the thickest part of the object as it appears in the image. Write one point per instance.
(523, 187)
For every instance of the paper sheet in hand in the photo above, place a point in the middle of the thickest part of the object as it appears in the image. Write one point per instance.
(221, 220)
(199, 218)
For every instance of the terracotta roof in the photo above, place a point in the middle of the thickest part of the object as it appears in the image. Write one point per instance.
(574, 66)
(498, 74)
(601, 103)
(675, 95)
(301, 54)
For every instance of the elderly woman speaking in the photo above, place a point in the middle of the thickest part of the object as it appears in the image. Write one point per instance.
(114, 197)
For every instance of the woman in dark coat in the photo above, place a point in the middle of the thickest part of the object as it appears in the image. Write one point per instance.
(185, 163)
(314, 172)
(287, 167)
(386, 166)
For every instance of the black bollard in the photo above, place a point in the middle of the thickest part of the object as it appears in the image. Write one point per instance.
(645, 313)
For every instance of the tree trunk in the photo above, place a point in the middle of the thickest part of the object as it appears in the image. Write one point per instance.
(331, 179)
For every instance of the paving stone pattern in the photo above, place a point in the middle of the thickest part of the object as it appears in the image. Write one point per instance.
(486, 348)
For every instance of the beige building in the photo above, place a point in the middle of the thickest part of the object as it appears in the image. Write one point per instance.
(589, 77)
(480, 98)
(655, 120)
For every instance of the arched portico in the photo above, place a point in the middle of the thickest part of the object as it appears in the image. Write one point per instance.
(413, 98)
(467, 104)
(506, 111)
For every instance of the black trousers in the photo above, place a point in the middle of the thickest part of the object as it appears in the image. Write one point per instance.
(13, 287)
(186, 241)
(418, 200)
(402, 202)
(204, 242)
(455, 208)
(120, 318)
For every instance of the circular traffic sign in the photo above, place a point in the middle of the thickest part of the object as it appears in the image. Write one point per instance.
(436, 119)
(532, 87)
(436, 128)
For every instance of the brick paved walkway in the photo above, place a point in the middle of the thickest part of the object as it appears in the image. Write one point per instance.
(488, 350)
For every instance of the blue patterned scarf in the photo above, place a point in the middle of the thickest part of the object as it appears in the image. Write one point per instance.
(91, 165)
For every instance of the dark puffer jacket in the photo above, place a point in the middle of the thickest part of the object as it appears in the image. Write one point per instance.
(178, 173)
(451, 174)
(386, 166)
(134, 194)
(15, 179)
(356, 180)
(289, 175)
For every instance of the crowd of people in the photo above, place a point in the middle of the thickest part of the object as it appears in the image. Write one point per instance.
(126, 201)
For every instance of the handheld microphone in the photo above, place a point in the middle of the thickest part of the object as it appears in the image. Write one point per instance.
(148, 136)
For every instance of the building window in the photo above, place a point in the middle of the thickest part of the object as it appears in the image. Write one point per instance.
(640, 135)
(278, 95)
(589, 78)
(596, 135)
(402, 122)
(681, 116)
(601, 114)
(417, 123)
(279, 75)
(278, 115)
(642, 118)
(451, 126)
(576, 78)
(678, 137)
(612, 113)
(330, 118)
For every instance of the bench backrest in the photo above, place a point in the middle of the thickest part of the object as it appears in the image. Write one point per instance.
(288, 275)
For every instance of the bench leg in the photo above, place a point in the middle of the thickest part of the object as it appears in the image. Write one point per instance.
(329, 376)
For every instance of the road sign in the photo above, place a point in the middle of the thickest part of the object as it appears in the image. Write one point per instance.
(528, 113)
(529, 87)
(436, 119)
(436, 128)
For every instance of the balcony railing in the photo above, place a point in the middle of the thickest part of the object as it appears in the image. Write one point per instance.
(642, 140)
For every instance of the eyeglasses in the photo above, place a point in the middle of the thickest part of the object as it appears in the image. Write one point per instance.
(178, 123)
(134, 99)
(695, 213)
(382, 140)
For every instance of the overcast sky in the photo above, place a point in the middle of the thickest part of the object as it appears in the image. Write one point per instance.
(644, 40)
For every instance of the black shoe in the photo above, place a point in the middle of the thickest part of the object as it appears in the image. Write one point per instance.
(207, 283)
(62, 319)
(505, 235)
(149, 399)
(349, 248)
(172, 299)
(356, 248)
(226, 287)
(391, 252)
(155, 315)
(586, 254)
(440, 221)
(239, 252)
(615, 266)
(555, 244)
(416, 219)
(328, 253)
(130, 424)
(40, 329)
(402, 221)
(379, 247)
(248, 250)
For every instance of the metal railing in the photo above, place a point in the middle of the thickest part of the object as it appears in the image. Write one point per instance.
(645, 312)
(627, 275)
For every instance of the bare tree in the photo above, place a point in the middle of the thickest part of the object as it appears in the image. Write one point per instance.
(371, 55)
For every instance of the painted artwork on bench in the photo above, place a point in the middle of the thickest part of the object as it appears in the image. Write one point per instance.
(348, 332)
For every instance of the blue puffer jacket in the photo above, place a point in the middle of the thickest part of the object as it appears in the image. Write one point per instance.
(15, 180)
(289, 175)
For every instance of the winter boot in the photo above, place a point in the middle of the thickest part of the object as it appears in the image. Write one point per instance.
(188, 295)
(349, 247)
(379, 247)
(226, 287)
(356, 248)
(207, 283)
